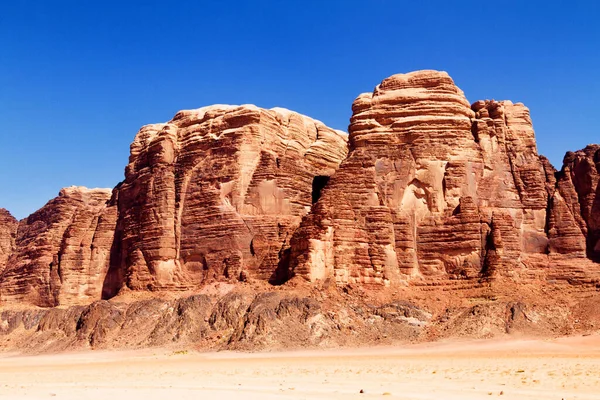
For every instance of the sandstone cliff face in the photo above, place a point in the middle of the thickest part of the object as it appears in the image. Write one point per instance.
(62, 251)
(284, 320)
(8, 231)
(578, 196)
(216, 193)
(427, 191)
(434, 189)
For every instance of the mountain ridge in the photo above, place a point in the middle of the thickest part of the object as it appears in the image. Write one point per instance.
(428, 205)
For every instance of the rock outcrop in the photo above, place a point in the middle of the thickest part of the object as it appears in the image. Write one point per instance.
(62, 251)
(577, 202)
(435, 189)
(238, 321)
(216, 193)
(426, 192)
(282, 319)
(8, 232)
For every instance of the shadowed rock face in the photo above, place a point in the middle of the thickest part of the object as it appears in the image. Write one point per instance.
(434, 189)
(217, 193)
(62, 251)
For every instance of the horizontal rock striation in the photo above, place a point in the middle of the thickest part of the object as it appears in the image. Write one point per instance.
(435, 189)
(62, 251)
(216, 193)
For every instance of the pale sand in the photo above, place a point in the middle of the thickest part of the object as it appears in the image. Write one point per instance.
(517, 369)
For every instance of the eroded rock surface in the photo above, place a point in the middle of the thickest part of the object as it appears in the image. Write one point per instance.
(8, 232)
(62, 251)
(216, 193)
(239, 320)
(435, 189)
(428, 193)
(578, 201)
(288, 319)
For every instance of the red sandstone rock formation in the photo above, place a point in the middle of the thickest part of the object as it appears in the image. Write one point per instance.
(434, 189)
(62, 251)
(583, 168)
(217, 193)
(577, 220)
(8, 231)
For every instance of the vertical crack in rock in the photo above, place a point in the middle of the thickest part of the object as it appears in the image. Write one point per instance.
(318, 184)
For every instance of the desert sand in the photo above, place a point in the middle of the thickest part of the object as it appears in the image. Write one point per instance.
(567, 368)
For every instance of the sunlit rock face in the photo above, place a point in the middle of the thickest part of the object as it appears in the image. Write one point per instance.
(434, 188)
(61, 253)
(577, 203)
(8, 232)
(427, 192)
(216, 193)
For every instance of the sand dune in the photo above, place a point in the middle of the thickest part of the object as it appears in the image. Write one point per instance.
(516, 369)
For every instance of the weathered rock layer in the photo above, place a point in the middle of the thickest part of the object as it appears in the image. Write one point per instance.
(8, 231)
(286, 319)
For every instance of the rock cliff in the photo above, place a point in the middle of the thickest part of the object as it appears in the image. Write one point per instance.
(62, 251)
(578, 202)
(216, 193)
(427, 194)
(435, 189)
(8, 231)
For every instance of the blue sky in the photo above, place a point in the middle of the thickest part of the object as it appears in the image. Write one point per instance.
(78, 78)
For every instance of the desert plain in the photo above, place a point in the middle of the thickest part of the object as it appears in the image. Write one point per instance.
(564, 368)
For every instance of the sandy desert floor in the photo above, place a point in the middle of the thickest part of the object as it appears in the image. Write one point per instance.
(566, 368)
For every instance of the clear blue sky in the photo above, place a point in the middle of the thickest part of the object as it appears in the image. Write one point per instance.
(78, 78)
